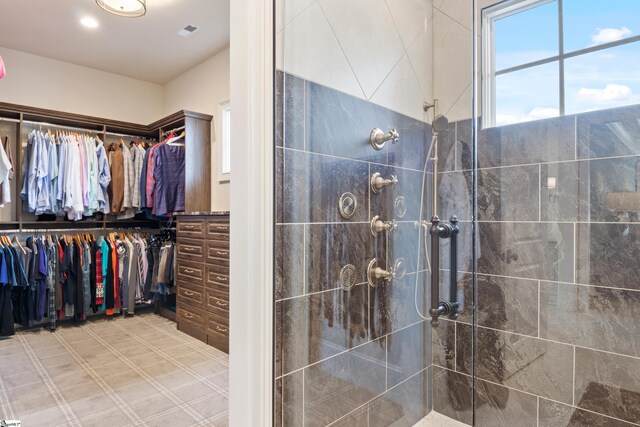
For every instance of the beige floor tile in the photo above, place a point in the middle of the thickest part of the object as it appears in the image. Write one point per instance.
(211, 406)
(192, 391)
(89, 406)
(82, 390)
(152, 406)
(33, 404)
(115, 417)
(137, 391)
(175, 379)
(174, 418)
(21, 378)
(52, 417)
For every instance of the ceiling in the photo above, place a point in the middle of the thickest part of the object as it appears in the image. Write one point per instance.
(145, 48)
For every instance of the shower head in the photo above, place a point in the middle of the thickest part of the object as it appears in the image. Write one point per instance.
(440, 123)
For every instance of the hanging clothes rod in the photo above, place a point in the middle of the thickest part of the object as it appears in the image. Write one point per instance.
(172, 130)
(6, 119)
(72, 230)
(61, 126)
(124, 135)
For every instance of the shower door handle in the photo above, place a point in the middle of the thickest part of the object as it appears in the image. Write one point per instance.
(443, 231)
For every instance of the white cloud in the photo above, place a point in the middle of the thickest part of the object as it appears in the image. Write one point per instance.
(536, 113)
(611, 93)
(608, 35)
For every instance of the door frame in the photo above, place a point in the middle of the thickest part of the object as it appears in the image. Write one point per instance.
(252, 206)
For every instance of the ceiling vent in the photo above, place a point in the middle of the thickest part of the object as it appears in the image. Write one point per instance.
(187, 31)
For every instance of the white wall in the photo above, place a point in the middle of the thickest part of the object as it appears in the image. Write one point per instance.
(46, 83)
(202, 89)
(378, 50)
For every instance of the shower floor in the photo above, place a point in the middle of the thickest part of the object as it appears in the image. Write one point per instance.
(435, 419)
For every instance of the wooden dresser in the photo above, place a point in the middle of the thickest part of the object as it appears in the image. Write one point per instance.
(202, 277)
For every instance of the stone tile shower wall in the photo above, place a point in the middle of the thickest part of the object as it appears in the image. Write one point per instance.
(558, 287)
(358, 357)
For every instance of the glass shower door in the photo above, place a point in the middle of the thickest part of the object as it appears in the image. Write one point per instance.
(354, 163)
(558, 241)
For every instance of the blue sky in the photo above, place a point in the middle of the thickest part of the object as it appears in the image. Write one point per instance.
(598, 80)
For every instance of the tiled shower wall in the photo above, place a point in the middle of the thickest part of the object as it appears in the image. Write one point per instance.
(558, 289)
(358, 357)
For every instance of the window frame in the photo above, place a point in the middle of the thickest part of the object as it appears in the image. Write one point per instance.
(224, 151)
(489, 73)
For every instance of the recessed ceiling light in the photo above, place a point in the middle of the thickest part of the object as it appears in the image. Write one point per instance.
(89, 22)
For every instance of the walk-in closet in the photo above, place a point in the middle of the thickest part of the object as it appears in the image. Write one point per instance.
(114, 212)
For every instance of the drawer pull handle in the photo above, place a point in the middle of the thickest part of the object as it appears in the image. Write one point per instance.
(189, 227)
(221, 228)
(222, 279)
(219, 329)
(188, 315)
(188, 271)
(188, 293)
(222, 303)
(188, 249)
(225, 253)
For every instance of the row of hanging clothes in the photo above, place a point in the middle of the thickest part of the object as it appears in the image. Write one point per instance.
(6, 171)
(77, 176)
(50, 277)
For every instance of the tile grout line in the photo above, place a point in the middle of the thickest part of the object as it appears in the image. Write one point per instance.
(176, 362)
(540, 192)
(110, 392)
(535, 395)
(188, 343)
(41, 370)
(149, 378)
(303, 398)
(539, 308)
(537, 411)
(573, 389)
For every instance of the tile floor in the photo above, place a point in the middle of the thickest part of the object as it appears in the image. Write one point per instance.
(136, 371)
(435, 419)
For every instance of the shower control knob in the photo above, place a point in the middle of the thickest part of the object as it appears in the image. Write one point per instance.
(378, 182)
(375, 273)
(378, 226)
(378, 137)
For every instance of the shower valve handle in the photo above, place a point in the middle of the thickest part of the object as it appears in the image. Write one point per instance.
(378, 182)
(378, 137)
(378, 226)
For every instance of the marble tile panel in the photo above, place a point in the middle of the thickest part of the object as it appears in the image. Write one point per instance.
(312, 186)
(524, 363)
(403, 405)
(289, 261)
(339, 124)
(413, 145)
(608, 384)
(288, 400)
(539, 141)
(453, 394)
(554, 414)
(336, 386)
(289, 110)
(508, 194)
(608, 255)
(393, 306)
(408, 352)
(358, 418)
(321, 325)
(609, 133)
(503, 303)
(332, 246)
(409, 187)
(594, 317)
(498, 406)
(527, 250)
(455, 195)
(443, 342)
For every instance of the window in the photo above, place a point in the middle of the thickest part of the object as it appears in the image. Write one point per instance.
(548, 58)
(225, 143)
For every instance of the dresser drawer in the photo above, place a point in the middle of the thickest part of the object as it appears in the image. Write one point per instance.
(218, 243)
(217, 256)
(190, 272)
(218, 306)
(191, 250)
(218, 335)
(218, 228)
(216, 280)
(190, 296)
(194, 228)
(190, 314)
(220, 318)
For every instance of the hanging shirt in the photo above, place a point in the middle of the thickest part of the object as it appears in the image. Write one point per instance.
(169, 179)
(6, 173)
(103, 176)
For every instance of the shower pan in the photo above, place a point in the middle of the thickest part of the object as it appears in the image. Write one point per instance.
(470, 261)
